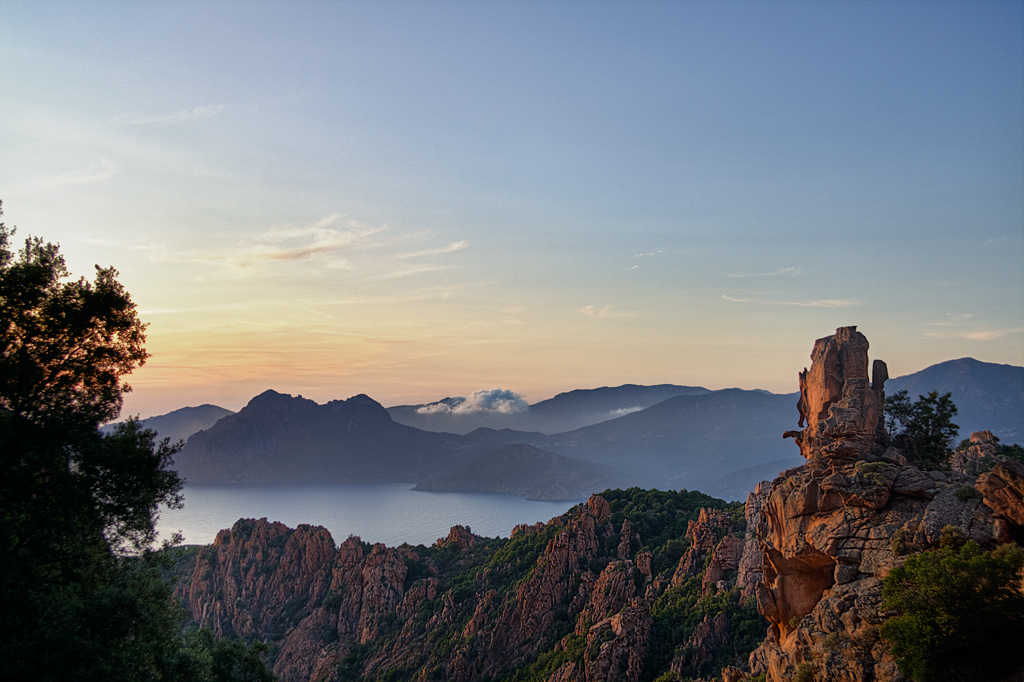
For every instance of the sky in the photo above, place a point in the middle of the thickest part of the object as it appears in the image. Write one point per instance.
(415, 200)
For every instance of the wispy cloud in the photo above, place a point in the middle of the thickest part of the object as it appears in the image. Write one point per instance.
(299, 243)
(781, 272)
(292, 243)
(454, 246)
(992, 334)
(103, 170)
(974, 335)
(649, 253)
(952, 320)
(963, 326)
(821, 303)
(207, 111)
(591, 311)
(409, 272)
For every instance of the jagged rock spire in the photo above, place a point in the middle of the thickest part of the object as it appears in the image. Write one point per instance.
(841, 409)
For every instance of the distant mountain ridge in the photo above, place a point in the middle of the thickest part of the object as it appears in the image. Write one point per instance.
(720, 442)
(564, 412)
(522, 469)
(180, 424)
(278, 437)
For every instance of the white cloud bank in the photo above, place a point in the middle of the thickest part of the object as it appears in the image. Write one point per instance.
(494, 401)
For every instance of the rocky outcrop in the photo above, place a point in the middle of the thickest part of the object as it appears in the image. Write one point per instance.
(1003, 491)
(841, 408)
(749, 569)
(981, 450)
(697, 652)
(705, 533)
(616, 646)
(829, 531)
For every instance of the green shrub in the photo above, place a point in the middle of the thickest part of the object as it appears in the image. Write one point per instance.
(900, 542)
(1014, 451)
(966, 493)
(952, 537)
(804, 673)
(958, 612)
(872, 471)
(833, 642)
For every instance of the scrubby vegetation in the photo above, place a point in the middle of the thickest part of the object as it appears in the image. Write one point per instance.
(958, 611)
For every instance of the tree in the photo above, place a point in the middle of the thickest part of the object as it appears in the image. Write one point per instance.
(927, 427)
(64, 345)
(958, 612)
(82, 589)
(898, 410)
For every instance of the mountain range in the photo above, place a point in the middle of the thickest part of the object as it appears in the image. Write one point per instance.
(522, 469)
(720, 442)
(564, 412)
(180, 424)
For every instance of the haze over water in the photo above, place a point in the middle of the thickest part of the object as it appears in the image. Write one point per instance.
(377, 512)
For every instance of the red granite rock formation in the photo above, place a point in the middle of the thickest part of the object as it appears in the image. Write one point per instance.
(830, 530)
(841, 408)
(1003, 490)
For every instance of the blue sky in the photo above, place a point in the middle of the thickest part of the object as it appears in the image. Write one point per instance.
(415, 200)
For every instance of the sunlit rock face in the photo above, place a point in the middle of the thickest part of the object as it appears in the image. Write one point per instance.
(841, 408)
(829, 531)
(1003, 488)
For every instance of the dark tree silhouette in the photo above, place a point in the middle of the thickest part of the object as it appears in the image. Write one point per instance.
(82, 592)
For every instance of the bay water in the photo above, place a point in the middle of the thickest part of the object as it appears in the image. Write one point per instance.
(376, 512)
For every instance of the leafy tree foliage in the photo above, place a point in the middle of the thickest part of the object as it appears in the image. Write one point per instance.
(82, 592)
(898, 410)
(1014, 451)
(959, 612)
(926, 427)
(64, 345)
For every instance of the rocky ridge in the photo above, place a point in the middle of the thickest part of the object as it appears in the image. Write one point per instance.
(584, 597)
(831, 530)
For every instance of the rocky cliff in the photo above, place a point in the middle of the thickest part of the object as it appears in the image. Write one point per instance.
(616, 589)
(831, 530)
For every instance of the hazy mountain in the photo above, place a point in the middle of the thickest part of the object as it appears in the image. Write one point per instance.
(988, 396)
(180, 424)
(523, 470)
(718, 442)
(691, 441)
(277, 437)
(564, 412)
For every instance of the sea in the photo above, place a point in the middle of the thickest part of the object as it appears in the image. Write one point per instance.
(391, 513)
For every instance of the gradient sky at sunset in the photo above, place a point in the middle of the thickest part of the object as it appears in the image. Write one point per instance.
(416, 200)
